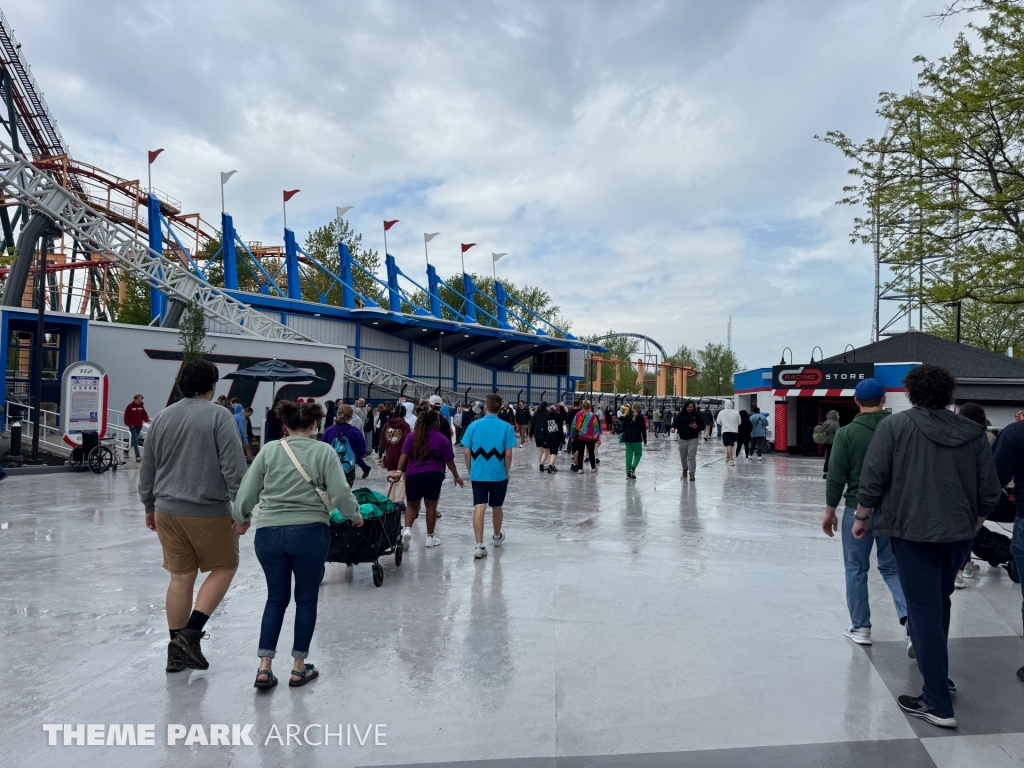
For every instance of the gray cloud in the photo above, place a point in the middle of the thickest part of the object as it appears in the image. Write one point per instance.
(651, 165)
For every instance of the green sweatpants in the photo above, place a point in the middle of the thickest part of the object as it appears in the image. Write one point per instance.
(633, 453)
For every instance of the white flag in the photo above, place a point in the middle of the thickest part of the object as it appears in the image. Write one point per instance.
(428, 236)
(225, 175)
(342, 211)
(496, 256)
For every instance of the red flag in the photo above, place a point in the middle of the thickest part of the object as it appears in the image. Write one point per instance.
(389, 224)
(154, 154)
(467, 246)
(290, 193)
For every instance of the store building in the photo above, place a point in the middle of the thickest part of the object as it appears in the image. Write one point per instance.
(796, 396)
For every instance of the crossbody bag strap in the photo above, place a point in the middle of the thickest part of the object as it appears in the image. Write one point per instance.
(291, 455)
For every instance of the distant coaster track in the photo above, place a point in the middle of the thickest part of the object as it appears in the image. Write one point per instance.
(648, 339)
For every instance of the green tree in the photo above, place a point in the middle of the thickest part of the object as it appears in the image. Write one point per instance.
(683, 356)
(716, 364)
(943, 189)
(134, 310)
(249, 278)
(994, 327)
(192, 333)
(322, 245)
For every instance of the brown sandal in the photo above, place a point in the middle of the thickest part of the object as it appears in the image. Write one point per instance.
(270, 682)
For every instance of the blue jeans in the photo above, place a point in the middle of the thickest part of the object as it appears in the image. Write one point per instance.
(857, 559)
(927, 573)
(135, 439)
(283, 550)
(1017, 548)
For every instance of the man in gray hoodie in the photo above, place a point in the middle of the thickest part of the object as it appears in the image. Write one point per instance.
(192, 466)
(928, 483)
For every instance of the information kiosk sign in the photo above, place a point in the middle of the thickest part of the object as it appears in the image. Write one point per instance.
(83, 397)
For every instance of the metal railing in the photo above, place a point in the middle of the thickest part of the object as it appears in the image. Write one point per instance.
(51, 436)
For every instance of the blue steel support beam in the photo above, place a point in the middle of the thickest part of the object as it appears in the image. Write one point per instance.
(227, 239)
(500, 295)
(433, 288)
(394, 293)
(157, 301)
(348, 296)
(291, 261)
(469, 291)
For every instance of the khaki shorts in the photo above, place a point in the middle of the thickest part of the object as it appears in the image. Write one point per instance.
(206, 543)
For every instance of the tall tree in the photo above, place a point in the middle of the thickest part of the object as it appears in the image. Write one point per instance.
(134, 309)
(322, 245)
(716, 364)
(994, 327)
(192, 333)
(944, 186)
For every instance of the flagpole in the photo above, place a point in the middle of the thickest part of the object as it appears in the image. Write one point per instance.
(385, 242)
(425, 254)
(222, 197)
(284, 210)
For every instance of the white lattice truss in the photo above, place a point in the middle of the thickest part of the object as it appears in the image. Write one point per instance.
(97, 234)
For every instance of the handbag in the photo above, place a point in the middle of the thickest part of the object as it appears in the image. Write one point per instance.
(325, 497)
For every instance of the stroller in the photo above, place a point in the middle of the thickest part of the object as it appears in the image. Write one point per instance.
(380, 534)
(994, 548)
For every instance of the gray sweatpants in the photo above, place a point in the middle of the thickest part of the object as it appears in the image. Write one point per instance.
(688, 454)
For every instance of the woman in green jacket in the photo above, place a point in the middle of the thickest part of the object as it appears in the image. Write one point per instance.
(293, 531)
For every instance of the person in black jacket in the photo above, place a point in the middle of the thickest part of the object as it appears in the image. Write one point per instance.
(688, 424)
(1009, 457)
(634, 435)
(928, 482)
(538, 428)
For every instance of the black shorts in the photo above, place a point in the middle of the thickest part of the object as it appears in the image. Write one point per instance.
(541, 442)
(424, 485)
(729, 439)
(555, 443)
(491, 492)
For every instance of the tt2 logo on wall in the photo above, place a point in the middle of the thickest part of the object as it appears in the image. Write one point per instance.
(245, 390)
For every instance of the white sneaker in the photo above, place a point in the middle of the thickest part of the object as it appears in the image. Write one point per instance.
(910, 647)
(971, 569)
(432, 541)
(406, 537)
(481, 551)
(959, 582)
(859, 635)
(498, 540)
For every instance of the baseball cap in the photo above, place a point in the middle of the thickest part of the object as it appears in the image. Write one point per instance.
(435, 400)
(869, 389)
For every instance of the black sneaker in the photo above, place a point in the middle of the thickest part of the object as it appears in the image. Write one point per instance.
(552, 468)
(951, 685)
(542, 468)
(188, 643)
(1020, 674)
(915, 707)
(175, 658)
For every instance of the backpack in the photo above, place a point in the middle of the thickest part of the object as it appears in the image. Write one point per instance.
(345, 453)
(820, 434)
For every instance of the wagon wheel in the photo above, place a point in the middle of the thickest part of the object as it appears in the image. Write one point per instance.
(398, 554)
(101, 458)
(79, 463)
(378, 574)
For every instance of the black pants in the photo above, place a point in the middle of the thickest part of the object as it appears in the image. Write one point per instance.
(828, 453)
(743, 443)
(577, 453)
(927, 571)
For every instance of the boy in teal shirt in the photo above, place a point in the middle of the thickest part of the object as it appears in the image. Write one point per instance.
(489, 442)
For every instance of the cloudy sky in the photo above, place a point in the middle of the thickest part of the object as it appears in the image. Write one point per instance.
(650, 164)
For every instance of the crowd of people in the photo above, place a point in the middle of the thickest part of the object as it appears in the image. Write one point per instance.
(916, 487)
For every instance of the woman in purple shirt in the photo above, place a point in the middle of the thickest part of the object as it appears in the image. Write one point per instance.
(425, 454)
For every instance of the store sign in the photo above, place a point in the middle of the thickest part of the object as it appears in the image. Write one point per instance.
(83, 396)
(821, 375)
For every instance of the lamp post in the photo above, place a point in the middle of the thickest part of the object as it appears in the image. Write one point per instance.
(850, 346)
(783, 360)
(820, 350)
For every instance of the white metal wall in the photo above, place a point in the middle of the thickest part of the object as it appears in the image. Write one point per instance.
(323, 329)
(374, 339)
(576, 362)
(424, 363)
(471, 373)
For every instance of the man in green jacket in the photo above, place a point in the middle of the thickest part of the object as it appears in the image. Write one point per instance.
(848, 451)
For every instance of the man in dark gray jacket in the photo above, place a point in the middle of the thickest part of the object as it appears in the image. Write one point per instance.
(928, 483)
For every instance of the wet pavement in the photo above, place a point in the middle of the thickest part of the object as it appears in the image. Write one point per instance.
(649, 623)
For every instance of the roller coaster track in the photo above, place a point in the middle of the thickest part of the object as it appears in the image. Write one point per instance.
(96, 233)
(648, 339)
